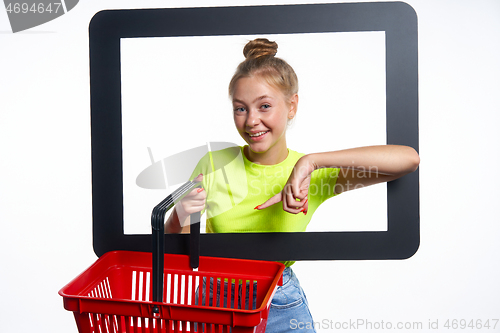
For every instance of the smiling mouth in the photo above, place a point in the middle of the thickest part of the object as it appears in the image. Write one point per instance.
(256, 135)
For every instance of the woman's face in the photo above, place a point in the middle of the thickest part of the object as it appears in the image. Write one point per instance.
(261, 114)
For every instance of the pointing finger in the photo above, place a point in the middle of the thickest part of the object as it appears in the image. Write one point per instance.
(273, 200)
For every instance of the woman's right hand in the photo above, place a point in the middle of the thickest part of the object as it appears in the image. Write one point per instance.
(192, 202)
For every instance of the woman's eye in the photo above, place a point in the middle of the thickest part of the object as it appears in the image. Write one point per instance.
(240, 109)
(265, 106)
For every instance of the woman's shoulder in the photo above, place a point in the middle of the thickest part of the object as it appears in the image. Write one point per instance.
(293, 157)
(218, 159)
(226, 154)
(294, 154)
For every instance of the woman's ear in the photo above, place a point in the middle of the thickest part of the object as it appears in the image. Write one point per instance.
(294, 103)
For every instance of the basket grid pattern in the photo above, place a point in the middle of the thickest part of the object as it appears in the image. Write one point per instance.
(115, 295)
(181, 289)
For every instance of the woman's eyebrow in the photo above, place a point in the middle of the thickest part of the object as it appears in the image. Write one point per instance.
(262, 97)
(235, 100)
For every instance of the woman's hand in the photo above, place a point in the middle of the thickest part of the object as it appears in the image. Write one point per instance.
(294, 193)
(192, 202)
(359, 167)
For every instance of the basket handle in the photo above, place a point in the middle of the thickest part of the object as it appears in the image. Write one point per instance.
(194, 241)
(158, 236)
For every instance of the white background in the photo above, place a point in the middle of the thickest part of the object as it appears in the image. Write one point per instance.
(175, 97)
(45, 190)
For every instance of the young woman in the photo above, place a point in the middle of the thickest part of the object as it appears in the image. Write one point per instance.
(278, 189)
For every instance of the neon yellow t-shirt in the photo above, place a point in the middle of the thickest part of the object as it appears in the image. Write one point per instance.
(235, 186)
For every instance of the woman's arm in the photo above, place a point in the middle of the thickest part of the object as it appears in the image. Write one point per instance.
(359, 167)
(173, 225)
(366, 166)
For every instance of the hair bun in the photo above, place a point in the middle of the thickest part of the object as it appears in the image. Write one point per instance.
(260, 47)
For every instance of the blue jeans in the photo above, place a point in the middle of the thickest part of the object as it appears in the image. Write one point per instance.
(289, 311)
(210, 286)
(289, 308)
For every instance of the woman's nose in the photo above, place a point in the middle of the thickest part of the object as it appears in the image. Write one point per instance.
(253, 118)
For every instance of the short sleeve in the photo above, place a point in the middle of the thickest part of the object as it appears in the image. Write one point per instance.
(224, 179)
(323, 183)
(203, 167)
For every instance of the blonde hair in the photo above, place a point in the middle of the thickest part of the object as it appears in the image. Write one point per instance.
(260, 60)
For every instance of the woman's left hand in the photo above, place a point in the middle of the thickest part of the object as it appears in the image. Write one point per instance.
(294, 193)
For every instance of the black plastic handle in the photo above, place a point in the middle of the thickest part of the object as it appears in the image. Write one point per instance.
(158, 245)
(158, 237)
(194, 241)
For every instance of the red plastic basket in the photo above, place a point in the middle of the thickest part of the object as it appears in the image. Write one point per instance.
(114, 295)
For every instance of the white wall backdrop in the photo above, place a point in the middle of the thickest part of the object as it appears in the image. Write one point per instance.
(168, 96)
(45, 189)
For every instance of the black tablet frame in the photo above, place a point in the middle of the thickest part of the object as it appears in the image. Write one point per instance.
(399, 22)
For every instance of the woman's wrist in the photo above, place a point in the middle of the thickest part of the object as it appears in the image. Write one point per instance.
(305, 165)
(172, 223)
(181, 216)
(309, 162)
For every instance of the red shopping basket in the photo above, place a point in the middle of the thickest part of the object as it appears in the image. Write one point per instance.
(141, 292)
(114, 295)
